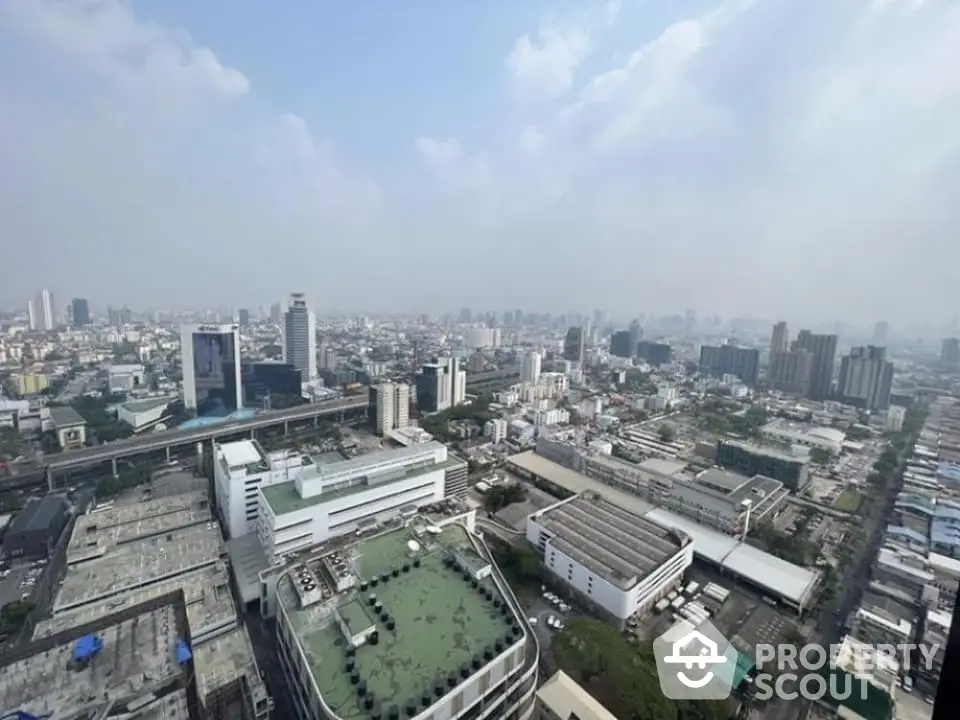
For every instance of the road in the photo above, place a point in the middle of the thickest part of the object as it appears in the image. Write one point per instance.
(159, 441)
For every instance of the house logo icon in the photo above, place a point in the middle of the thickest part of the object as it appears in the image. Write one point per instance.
(695, 662)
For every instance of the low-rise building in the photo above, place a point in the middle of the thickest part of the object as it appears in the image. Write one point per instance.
(70, 427)
(751, 459)
(562, 698)
(792, 433)
(339, 498)
(614, 560)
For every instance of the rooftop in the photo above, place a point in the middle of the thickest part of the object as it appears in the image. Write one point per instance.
(139, 563)
(37, 514)
(767, 450)
(567, 699)
(206, 593)
(284, 498)
(66, 416)
(732, 489)
(135, 669)
(148, 404)
(241, 453)
(621, 547)
(441, 622)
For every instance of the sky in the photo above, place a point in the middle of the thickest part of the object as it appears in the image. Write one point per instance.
(740, 157)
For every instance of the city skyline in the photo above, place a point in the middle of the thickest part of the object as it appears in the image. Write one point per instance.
(621, 154)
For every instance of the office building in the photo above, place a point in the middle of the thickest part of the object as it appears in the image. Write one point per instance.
(530, 367)
(441, 385)
(866, 378)
(790, 371)
(300, 337)
(574, 345)
(266, 381)
(880, 332)
(42, 312)
(562, 698)
(895, 418)
(636, 334)
(824, 349)
(615, 560)
(328, 500)
(389, 407)
(276, 313)
(620, 344)
(243, 318)
(80, 309)
(950, 353)
(729, 359)
(415, 623)
(750, 459)
(210, 359)
(780, 339)
(653, 352)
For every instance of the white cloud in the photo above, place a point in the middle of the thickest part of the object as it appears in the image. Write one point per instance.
(545, 64)
(111, 40)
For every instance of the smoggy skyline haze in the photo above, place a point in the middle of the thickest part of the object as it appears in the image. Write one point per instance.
(736, 156)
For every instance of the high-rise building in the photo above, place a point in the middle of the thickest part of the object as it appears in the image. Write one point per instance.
(574, 344)
(655, 353)
(42, 312)
(276, 313)
(636, 335)
(300, 337)
(866, 377)
(780, 340)
(790, 371)
(620, 345)
(729, 359)
(530, 367)
(210, 358)
(441, 385)
(390, 407)
(118, 317)
(81, 312)
(243, 317)
(824, 349)
(880, 332)
(950, 353)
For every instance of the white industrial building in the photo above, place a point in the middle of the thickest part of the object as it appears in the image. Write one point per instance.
(791, 433)
(123, 378)
(143, 414)
(613, 558)
(339, 498)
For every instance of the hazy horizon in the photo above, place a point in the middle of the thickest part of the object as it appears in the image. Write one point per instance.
(744, 158)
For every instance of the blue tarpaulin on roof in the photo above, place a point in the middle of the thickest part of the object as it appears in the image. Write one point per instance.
(86, 647)
(183, 653)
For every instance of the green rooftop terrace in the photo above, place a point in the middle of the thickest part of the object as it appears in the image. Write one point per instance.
(431, 623)
(283, 497)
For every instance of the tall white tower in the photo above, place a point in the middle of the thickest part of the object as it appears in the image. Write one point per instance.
(530, 367)
(300, 337)
(210, 357)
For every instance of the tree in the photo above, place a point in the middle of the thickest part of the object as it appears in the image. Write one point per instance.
(666, 433)
(500, 496)
(14, 614)
(622, 677)
(820, 456)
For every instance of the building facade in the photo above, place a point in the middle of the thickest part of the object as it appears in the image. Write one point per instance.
(748, 459)
(866, 378)
(210, 359)
(824, 349)
(300, 337)
(80, 310)
(731, 360)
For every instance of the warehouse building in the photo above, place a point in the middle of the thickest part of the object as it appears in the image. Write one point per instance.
(613, 559)
(415, 623)
(36, 528)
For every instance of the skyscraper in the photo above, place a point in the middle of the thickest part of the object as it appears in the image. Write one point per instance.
(42, 312)
(620, 345)
(824, 349)
(81, 312)
(574, 345)
(780, 340)
(636, 335)
(300, 337)
(210, 359)
(730, 359)
(790, 371)
(950, 353)
(390, 403)
(243, 317)
(866, 377)
(880, 332)
(530, 367)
